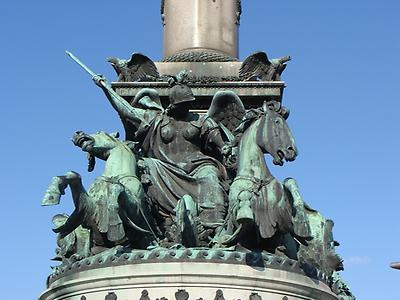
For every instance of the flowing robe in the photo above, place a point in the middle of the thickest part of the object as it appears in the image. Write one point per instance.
(177, 159)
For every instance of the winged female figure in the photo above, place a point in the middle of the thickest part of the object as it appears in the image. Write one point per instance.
(181, 152)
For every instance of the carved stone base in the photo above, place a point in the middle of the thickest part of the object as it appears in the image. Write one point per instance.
(252, 93)
(186, 274)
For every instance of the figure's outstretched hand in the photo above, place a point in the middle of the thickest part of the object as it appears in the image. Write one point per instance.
(99, 80)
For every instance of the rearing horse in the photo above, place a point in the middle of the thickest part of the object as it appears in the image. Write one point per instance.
(113, 208)
(256, 199)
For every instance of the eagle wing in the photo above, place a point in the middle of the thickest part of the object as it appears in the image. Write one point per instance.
(141, 68)
(255, 66)
(272, 212)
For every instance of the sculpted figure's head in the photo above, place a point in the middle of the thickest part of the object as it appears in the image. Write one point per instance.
(180, 98)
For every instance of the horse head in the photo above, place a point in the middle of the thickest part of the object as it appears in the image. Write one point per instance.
(272, 133)
(97, 145)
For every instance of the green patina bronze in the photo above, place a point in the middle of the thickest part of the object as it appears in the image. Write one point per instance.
(73, 246)
(184, 180)
(189, 183)
(114, 208)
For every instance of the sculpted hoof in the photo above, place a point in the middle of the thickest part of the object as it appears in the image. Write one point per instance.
(54, 191)
(245, 215)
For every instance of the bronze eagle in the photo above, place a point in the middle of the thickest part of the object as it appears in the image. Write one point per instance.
(138, 68)
(257, 67)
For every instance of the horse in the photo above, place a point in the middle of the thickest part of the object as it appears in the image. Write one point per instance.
(114, 208)
(320, 251)
(258, 202)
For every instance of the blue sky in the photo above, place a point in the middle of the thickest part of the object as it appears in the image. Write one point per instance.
(342, 90)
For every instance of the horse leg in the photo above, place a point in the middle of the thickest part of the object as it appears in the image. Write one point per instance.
(78, 191)
(79, 196)
(58, 186)
(300, 219)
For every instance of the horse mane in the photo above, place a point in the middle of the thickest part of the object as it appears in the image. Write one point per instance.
(249, 117)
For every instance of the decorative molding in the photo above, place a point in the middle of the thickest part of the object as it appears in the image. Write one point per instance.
(252, 259)
(199, 56)
(182, 294)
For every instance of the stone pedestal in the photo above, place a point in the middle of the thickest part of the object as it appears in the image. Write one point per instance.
(187, 274)
(205, 79)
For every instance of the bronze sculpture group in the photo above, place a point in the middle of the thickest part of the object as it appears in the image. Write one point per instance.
(181, 179)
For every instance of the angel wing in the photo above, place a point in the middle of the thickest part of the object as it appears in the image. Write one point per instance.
(272, 212)
(145, 99)
(227, 109)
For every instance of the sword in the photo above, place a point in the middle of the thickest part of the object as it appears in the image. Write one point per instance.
(83, 66)
(86, 68)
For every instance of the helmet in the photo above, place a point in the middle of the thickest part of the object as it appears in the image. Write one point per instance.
(180, 93)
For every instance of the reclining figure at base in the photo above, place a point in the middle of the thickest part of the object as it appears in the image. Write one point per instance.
(73, 246)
